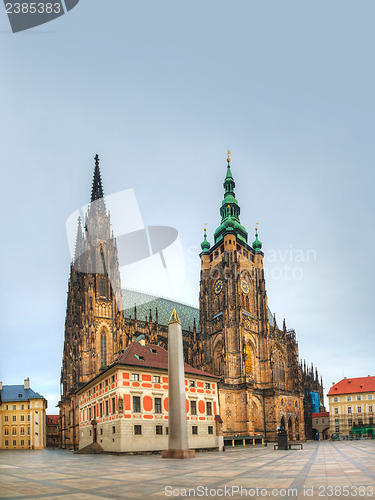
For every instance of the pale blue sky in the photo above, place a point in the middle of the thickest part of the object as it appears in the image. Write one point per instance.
(160, 90)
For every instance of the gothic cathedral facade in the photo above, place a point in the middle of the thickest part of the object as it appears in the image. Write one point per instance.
(262, 382)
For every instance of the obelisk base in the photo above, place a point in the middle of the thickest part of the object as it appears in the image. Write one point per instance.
(178, 453)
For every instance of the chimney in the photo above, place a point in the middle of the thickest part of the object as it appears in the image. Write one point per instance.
(1, 386)
(26, 383)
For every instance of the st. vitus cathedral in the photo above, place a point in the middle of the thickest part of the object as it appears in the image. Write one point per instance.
(263, 387)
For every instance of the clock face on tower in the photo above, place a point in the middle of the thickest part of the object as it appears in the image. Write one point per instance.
(244, 286)
(218, 286)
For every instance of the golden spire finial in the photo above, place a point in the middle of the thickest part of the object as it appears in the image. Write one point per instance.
(174, 318)
(228, 155)
(256, 226)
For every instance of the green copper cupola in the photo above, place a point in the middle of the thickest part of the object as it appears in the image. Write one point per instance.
(257, 245)
(230, 210)
(205, 245)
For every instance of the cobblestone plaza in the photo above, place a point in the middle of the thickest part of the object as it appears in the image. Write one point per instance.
(344, 469)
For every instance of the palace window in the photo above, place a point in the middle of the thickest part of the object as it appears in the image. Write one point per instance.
(6, 431)
(359, 409)
(6, 442)
(90, 413)
(22, 442)
(370, 409)
(135, 376)
(14, 407)
(159, 430)
(349, 409)
(113, 429)
(358, 398)
(100, 409)
(14, 418)
(14, 431)
(22, 407)
(335, 399)
(323, 420)
(336, 411)
(107, 407)
(370, 396)
(209, 407)
(156, 379)
(191, 383)
(371, 421)
(113, 405)
(14, 442)
(22, 431)
(157, 405)
(207, 385)
(337, 421)
(349, 398)
(137, 430)
(337, 428)
(350, 421)
(5, 418)
(136, 404)
(360, 422)
(210, 429)
(22, 418)
(193, 407)
(5, 407)
(194, 429)
(113, 379)
(317, 421)
(103, 349)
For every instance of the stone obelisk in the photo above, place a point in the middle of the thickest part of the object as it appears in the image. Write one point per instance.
(178, 434)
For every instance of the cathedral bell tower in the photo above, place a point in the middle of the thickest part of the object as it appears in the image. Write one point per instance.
(233, 302)
(233, 317)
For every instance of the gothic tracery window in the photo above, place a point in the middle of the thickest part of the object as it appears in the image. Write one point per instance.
(278, 370)
(103, 349)
(249, 359)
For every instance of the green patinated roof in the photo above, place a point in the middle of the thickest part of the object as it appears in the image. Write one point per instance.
(145, 302)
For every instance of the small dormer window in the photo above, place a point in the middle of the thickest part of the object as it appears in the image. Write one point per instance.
(154, 351)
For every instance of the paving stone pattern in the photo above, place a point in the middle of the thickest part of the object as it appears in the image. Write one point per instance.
(321, 470)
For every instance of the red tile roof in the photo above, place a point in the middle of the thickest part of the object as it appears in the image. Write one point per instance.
(144, 356)
(321, 414)
(353, 385)
(52, 419)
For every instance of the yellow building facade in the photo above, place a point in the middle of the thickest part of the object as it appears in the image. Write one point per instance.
(22, 417)
(352, 406)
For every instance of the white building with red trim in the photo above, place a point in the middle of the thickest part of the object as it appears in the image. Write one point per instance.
(128, 404)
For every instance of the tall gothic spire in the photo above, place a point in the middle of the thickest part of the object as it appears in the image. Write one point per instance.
(80, 242)
(230, 211)
(97, 188)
